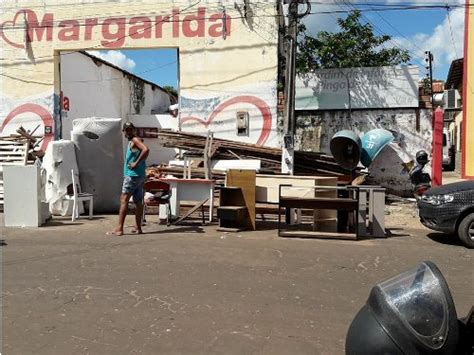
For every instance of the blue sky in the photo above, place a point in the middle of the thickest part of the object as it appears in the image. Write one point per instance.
(156, 65)
(415, 30)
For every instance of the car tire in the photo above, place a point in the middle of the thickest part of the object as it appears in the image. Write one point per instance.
(466, 231)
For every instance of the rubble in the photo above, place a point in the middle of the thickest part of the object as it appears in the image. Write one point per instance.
(306, 163)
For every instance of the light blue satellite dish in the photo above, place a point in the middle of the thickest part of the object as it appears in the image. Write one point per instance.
(372, 144)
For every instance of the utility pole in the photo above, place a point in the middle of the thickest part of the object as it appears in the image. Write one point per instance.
(289, 138)
(429, 60)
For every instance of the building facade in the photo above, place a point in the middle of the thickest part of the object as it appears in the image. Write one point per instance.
(228, 61)
(92, 87)
(467, 167)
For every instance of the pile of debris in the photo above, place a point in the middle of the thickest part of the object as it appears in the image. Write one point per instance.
(306, 163)
(34, 142)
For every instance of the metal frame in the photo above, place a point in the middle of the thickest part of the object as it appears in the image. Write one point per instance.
(359, 228)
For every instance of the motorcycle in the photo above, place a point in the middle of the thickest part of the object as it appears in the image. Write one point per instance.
(420, 181)
(411, 313)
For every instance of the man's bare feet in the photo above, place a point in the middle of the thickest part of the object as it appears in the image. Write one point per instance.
(115, 233)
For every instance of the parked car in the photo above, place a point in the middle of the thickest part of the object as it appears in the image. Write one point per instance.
(448, 152)
(450, 209)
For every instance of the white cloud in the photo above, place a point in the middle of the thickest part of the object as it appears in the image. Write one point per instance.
(115, 57)
(444, 45)
(446, 42)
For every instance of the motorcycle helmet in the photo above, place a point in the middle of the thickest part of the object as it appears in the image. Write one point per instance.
(422, 157)
(412, 313)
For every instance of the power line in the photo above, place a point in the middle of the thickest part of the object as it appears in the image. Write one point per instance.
(451, 32)
(380, 32)
(396, 30)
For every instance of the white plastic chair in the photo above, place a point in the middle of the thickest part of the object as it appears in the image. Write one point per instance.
(77, 197)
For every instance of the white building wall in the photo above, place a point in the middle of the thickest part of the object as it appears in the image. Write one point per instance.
(95, 89)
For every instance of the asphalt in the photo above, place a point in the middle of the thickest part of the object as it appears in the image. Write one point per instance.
(69, 289)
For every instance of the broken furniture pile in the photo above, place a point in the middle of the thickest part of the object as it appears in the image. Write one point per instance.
(306, 163)
(23, 136)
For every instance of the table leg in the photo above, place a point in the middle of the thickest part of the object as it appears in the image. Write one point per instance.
(174, 201)
(211, 203)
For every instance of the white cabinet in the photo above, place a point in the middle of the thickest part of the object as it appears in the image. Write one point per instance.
(24, 193)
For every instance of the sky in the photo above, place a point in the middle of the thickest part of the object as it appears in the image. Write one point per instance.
(156, 65)
(437, 30)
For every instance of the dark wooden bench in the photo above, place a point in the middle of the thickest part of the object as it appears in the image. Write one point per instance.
(350, 204)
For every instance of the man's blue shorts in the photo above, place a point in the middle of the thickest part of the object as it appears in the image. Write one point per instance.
(133, 185)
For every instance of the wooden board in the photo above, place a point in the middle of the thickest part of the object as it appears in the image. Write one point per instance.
(323, 235)
(267, 186)
(198, 205)
(245, 179)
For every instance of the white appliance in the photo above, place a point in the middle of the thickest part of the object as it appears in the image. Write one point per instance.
(99, 153)
(25, 202)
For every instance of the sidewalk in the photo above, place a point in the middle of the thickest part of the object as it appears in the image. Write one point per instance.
(450, 177)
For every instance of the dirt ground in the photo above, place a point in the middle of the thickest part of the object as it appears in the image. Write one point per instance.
(69, 289)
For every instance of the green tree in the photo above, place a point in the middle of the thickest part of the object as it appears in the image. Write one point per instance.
(355, 45)
(171, 90)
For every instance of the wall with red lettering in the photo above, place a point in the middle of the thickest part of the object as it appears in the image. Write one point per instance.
(227, 56)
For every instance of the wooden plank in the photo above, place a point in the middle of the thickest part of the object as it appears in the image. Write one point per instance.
(14, 153)
(245, 179)
(4, 142)
(321, 235)
(12, 163)
(233, 208)
(346, 204)
(190, 212)
(10, 159)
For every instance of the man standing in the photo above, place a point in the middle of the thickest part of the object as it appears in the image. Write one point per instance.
(134, 179)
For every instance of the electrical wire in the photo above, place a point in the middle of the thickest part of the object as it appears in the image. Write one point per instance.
(380, 32)
(451, 31)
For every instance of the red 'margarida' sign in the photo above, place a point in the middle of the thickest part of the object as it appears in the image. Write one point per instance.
(114, 30)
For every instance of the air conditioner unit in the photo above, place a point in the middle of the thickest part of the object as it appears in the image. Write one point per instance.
(452, 99)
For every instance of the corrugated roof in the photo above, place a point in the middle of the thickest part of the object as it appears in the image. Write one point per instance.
(455, 74)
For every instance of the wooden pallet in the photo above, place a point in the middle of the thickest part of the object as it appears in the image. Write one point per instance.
(11, 153)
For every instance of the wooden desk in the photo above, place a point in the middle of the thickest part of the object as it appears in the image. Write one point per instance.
(190, 190)
(350, 204)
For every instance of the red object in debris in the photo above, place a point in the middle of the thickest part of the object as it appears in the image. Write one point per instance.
(437, 153)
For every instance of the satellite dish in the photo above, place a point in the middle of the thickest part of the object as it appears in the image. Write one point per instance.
(346, 149)
(372, 144)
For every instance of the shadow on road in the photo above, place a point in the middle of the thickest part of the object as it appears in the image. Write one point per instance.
(448, 239)
(66, 221)
(3, 243)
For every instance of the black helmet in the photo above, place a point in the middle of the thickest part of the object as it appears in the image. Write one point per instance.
(422, 157)
(412, 313)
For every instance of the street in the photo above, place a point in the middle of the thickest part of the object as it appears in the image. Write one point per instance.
(69, 289)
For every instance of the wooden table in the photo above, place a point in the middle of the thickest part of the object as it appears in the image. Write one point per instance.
(190, 190)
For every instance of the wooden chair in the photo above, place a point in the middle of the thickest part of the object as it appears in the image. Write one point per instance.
(161, 196)
(190, 157)
(78, 196)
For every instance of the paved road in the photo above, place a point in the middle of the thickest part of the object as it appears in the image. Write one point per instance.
(68, 289)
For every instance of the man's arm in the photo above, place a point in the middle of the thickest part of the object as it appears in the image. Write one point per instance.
(144, 151)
